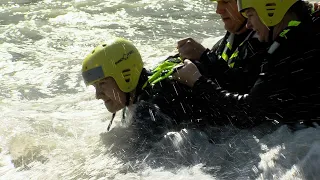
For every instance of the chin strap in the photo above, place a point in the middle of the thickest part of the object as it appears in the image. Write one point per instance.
(123, 111)
(113, 115)
(270, 38)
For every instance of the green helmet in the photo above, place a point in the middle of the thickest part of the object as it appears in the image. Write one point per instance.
(271, 12)
(118, 59)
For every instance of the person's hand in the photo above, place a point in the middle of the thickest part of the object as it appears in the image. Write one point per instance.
(190, 49)
(188, 74)
(316, 6)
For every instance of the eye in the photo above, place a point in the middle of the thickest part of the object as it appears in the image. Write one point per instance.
(99, 84)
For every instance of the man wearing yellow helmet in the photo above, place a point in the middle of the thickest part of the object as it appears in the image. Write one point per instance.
(116, 70)
(225, 58)
(287, 88)
(224, 62)
(272, 14)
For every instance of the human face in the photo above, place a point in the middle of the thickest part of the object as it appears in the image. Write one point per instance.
(255, 23)
(228, 11)
(108, 91)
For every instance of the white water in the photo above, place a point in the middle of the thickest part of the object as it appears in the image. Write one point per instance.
(51, 127)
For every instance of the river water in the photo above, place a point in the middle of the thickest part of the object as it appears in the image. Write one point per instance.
(51, 126)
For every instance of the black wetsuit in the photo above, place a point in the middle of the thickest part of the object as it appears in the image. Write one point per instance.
(287, 88)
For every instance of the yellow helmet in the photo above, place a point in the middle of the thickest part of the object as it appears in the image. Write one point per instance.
(221, 0)
(118, 59)
(271, 12)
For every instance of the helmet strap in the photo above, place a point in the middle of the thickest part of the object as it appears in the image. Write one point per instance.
(270, 38)
(128, 99)
(113, 115)
(125, 108)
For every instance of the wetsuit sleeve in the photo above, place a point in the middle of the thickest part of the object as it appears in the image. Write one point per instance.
(210, 64)
(287, 92)
(227, 108)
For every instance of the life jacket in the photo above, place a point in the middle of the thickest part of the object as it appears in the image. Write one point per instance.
(225, 50)
(174, 99)
(288, 32)
(295, 27)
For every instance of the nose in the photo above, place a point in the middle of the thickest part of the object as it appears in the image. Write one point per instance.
(221, 9)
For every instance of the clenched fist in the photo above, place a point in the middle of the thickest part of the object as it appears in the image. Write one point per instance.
(190, 49)
(188, 74)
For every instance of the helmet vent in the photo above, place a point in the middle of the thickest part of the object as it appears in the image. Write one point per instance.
(271, 4)
(104, 45)
(92, 51)
(126, 70)
(127, 75)
(271, 7)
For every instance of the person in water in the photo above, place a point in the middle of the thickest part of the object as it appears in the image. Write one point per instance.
(225, 63)
(286, 89)
(155, 102)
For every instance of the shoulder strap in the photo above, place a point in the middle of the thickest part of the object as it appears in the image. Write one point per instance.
(241, 47)
(163, 70)
(293, 28)
(220, 45)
